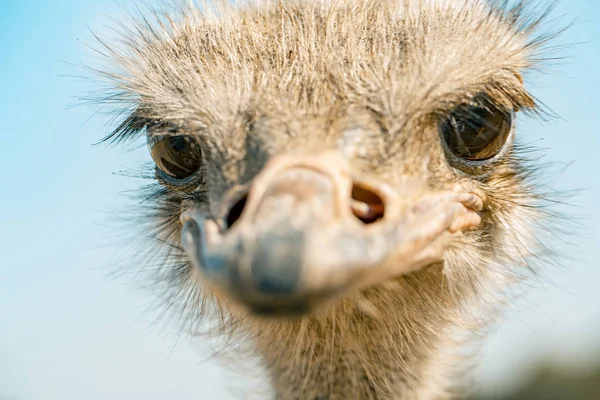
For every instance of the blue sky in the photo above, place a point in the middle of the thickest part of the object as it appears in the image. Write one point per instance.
(69, 332)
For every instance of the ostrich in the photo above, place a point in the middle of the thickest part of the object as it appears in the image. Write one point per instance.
(336, 182)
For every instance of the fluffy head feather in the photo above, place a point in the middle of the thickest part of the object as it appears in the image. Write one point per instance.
(296, 77)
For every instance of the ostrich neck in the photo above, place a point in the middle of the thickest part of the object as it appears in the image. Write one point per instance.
(384, 347)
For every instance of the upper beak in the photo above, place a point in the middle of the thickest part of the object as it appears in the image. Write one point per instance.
(305, 235)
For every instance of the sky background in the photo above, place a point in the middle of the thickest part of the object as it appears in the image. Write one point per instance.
(69, 332)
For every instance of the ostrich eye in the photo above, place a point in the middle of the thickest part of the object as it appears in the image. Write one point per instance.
(476, 133)
(179, 157)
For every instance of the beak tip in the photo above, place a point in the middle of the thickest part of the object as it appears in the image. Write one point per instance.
(289, 309)
(277, 262)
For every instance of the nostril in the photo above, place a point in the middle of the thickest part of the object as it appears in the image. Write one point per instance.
(366, 205)
(236, 211)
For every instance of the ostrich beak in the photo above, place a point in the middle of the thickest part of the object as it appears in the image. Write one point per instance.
(310, 233)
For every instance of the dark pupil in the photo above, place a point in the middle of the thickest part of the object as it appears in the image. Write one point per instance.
(477, 133)
(178, 156)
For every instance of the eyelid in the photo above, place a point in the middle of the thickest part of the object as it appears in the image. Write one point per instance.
(161, 128)
(153, 139)
(158, 131)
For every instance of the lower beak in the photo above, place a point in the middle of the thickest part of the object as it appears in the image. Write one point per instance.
(309, 234)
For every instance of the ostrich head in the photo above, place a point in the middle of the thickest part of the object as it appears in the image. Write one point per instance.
(338, 178)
